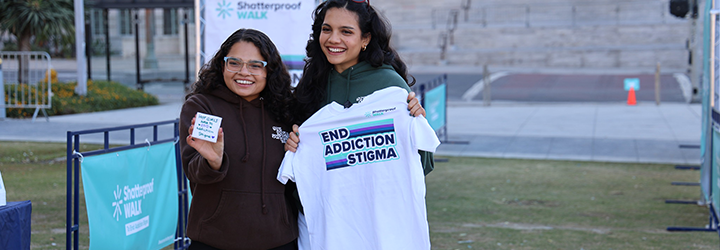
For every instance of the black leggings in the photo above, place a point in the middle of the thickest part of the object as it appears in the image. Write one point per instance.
(196, 245)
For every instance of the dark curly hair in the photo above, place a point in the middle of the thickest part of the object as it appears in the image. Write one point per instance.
(311, 90)
(276, 93)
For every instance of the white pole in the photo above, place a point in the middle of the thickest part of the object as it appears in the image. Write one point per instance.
(713, 23)
(3, 115)
(199, 35)
(81, 88)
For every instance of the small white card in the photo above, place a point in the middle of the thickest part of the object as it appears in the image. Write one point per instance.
(206, 127)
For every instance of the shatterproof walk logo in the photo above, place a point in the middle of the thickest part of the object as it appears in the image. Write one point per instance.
(224, 9)
(131, 204)
(359, 144)
(252, 10)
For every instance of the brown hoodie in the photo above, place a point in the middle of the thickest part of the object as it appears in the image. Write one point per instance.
(241, 206)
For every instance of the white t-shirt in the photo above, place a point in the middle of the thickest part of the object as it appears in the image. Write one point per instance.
(359, 175)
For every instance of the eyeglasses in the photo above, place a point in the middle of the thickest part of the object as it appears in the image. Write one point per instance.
(235, 65)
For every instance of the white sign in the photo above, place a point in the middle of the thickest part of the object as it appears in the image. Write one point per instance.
(288, 23)
(206, 127)
(633, 83)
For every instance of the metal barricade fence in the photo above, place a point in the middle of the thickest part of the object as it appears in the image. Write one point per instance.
(436, 109)
(26, 81)
(154, 133)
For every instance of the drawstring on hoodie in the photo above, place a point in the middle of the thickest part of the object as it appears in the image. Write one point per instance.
(244, 159)
(347, 89)
(245, 134)
(262, 173)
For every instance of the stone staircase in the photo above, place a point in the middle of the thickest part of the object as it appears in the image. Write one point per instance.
(602, 34)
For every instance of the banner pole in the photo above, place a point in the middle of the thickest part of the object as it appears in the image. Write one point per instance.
(2, 94)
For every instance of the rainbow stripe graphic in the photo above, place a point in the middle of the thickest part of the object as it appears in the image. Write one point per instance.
(359, 130)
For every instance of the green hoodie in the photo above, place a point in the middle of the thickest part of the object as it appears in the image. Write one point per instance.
(359, 81)
(362, 79)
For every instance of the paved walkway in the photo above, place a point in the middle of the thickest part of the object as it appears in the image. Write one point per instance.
(587, 131)
(646, 133)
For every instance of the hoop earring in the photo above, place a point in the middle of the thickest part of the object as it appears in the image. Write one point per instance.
(364, 47)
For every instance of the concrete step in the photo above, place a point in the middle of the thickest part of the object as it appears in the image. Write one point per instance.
(554, 33)
(477, 37)
(671, 59)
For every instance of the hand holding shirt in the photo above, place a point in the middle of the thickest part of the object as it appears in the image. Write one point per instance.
(359, 175)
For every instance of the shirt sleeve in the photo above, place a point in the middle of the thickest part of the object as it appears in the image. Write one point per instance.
(286, 171)
(423, 136)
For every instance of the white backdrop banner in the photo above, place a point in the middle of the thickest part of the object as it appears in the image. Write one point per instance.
(287, 23)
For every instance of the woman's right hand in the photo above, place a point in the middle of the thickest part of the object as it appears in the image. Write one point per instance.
(414, 105)
(293, 140)
(212, 152)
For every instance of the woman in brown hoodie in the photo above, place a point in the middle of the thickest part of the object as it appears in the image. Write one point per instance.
(237, 203)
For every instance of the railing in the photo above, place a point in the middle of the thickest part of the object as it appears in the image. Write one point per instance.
(160, 132)
(25, 81)
(433, 97)
(447, 38)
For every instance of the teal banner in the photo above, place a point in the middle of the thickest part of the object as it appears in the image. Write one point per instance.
(715, 168)
(435, 106)
(706, 128)
(132, 198)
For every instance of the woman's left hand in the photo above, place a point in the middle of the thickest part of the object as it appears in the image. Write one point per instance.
(414, 105)
(293, 140)
(212, 152)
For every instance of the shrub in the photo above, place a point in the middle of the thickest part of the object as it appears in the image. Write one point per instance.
(101, 96)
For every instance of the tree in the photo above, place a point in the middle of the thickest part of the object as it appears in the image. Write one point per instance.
(45, 20)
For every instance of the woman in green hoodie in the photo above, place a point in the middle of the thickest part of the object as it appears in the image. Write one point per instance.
(349, 57)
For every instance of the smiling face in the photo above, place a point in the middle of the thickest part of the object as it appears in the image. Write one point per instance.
(341, 38)
(243, 83)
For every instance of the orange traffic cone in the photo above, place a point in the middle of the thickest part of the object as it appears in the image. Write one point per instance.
(631, 97)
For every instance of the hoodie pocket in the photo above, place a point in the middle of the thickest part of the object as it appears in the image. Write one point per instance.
(240, 213)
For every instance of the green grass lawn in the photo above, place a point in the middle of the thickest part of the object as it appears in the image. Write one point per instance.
(473, 203)
(482, 203)
(37, 172)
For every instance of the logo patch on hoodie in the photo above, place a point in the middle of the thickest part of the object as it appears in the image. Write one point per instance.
(280, 134)
(379, 112)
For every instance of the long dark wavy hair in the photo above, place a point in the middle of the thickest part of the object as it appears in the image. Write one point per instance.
(276, 94)
(311, 90)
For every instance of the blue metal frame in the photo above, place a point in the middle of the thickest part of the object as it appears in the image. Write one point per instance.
(713, 219)
(73, 181)
(712, 225)
(421, 89)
